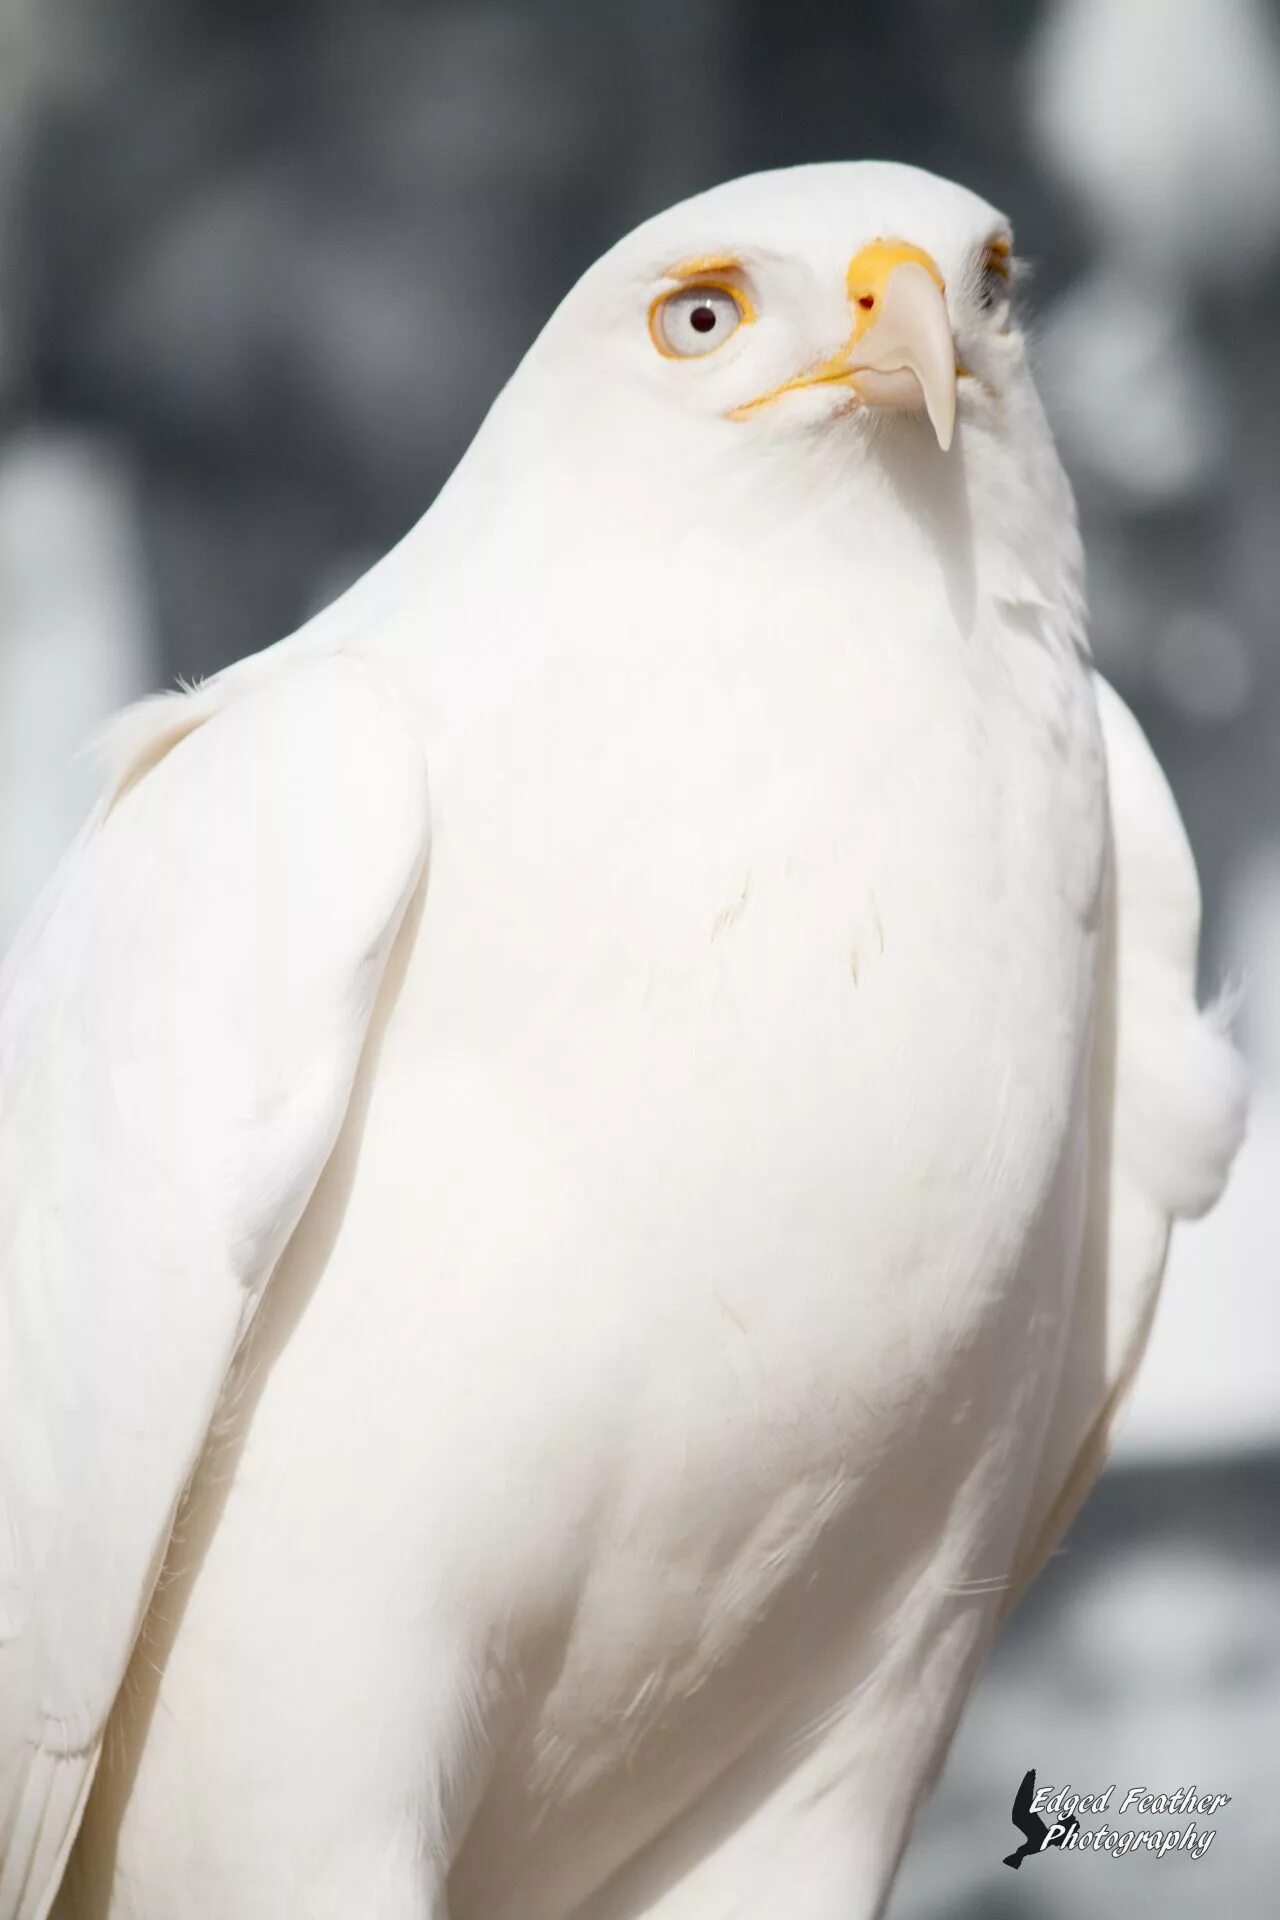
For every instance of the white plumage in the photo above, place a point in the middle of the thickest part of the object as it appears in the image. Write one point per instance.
(630, 1297)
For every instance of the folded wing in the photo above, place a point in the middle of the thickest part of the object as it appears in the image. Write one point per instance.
(180, 1026)
(1166, 1117)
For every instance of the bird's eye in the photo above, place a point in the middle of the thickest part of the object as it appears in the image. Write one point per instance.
(995, 274)
(695, 320)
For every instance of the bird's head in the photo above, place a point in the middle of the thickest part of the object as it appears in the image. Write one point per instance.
(828, 354)
(812, 295)
(808, 315)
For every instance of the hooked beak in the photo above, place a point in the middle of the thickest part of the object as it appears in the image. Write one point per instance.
(900, 352)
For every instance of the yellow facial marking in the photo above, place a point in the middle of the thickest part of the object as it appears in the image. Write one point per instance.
(718, 270)
(701, 264)
(868, 276)
(999, 255)
(828, 372)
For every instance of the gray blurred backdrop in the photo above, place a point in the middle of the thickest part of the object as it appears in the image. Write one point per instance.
(263, 266)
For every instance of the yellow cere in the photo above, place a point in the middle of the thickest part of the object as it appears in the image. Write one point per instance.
(868, 276)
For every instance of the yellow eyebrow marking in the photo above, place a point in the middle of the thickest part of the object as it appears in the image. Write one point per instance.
(703, 263)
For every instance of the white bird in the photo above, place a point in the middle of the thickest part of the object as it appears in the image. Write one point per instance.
(618, 1309)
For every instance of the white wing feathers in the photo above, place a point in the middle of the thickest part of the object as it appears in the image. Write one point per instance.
(1166, 1117)
(179, 1031)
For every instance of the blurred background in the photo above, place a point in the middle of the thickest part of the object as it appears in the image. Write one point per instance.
(263, 266)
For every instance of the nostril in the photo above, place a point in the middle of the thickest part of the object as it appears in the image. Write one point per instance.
(867, 300)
